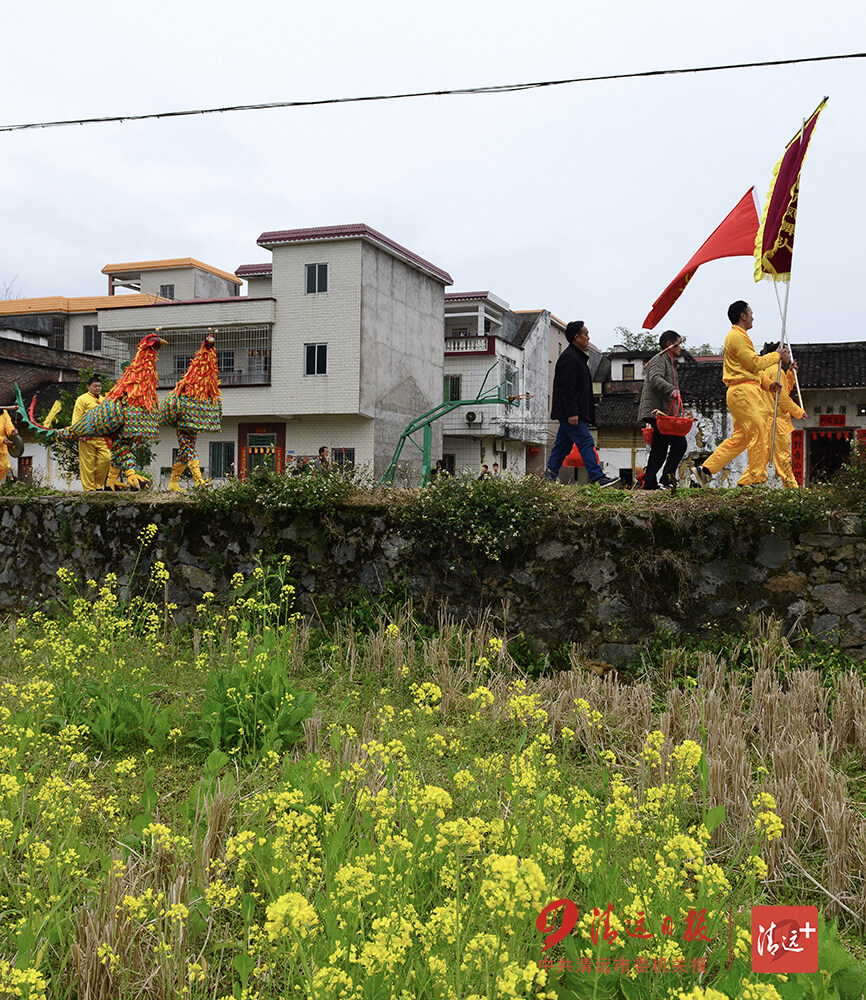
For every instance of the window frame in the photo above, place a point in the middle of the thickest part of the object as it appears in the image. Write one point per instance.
(91, 330)
(319, 275)
(448, 393)
(321, 352)
(228, 450)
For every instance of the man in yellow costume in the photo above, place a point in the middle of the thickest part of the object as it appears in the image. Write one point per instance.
(788, 410)
(7, 429)
(747, 375)
(94, 456)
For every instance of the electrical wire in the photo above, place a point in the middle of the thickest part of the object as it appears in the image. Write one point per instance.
(505, 88)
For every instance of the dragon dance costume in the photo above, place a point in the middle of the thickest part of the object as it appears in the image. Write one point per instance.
(194, 407)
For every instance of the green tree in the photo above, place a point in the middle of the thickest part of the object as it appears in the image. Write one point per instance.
(646, 340)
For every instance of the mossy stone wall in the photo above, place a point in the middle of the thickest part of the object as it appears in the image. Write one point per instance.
(609, 587)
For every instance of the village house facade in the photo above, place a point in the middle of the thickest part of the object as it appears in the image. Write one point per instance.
(338, 343)
(488, 345)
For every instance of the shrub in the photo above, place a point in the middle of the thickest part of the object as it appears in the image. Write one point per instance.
(490, 514)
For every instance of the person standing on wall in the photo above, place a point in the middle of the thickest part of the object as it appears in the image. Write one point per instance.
(746, 374)
(573, 405)
(658, 392)
(94, 455)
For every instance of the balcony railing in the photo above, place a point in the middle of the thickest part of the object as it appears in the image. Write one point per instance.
(471, 345)
(227, 379)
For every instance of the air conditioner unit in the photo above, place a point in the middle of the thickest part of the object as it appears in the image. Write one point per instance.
(474, 418)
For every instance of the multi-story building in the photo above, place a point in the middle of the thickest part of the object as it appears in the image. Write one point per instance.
(338, 343)
(489, 345)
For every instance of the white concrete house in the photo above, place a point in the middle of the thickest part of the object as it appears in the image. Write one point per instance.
(486, 340)
(338, 343)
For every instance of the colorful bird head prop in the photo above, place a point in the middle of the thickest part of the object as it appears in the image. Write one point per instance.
(138, 382)
(201, 380)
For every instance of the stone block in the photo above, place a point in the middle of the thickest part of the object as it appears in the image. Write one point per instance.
(826, 627)
(787, 583)
(774, 552)
(838, 599)
(618, 652)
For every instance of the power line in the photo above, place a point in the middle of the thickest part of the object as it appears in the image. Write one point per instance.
(505, 88)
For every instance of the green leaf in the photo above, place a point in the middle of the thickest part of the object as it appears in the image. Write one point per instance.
(243, 966)
(714, 818)
(215, 762)
(248, 908)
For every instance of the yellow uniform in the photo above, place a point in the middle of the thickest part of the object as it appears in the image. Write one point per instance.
(788, 409)
(94, 456)
(747, 375)
(7, 429)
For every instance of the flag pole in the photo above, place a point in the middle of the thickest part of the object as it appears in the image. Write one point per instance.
(784, 311)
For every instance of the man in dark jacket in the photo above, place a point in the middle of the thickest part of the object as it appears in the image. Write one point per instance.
(573, 406)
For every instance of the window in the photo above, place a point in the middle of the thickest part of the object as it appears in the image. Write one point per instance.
(343, 458)
(225, 362)
(166, 291)
(315, 359)
(317, 278)
(262, 450)
(628, 373)
(92, 339)
(510, 379)
(58, 333)
(259, 364)
(222, 459)
(452, 388)
(181, 363)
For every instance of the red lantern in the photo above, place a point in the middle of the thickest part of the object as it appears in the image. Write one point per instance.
(574, 461)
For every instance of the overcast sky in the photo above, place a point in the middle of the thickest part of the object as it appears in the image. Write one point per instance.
(583, 199)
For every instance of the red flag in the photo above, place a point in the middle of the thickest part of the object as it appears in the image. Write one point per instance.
(735, 237)
(774, 244)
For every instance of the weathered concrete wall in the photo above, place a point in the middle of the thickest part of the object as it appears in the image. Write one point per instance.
(609, 587)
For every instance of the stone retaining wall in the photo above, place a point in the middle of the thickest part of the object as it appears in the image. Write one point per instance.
(608, 589)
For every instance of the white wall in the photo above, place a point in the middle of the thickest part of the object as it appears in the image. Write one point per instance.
(400, 371)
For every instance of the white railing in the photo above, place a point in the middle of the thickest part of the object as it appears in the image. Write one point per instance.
(456, 344)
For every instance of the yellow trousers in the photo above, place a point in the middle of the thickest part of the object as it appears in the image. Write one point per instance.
(751, 434)
(782, 452)
(94, 458)
(5, 464)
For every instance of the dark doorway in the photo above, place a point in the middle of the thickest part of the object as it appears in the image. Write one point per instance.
(827, 453)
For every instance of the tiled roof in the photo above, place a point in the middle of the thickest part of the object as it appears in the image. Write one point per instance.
(554, 319)
(516, 328)
(136, 267)
(618, 410)
(830, 366)
(248, 270)
(701, 382)
(464, 296)
(87, 303)
(357, 230)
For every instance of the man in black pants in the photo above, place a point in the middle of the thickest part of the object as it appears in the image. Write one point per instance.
(573, 405)
(658, 392)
